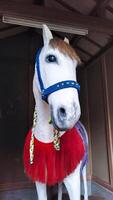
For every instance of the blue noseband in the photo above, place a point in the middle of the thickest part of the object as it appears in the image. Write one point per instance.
(45, 92)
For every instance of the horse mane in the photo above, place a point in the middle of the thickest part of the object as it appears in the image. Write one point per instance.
(64, 48)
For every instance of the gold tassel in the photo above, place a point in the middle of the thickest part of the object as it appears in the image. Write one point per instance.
(56, 140)
(31, 149)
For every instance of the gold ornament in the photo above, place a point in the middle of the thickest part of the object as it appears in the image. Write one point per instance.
(56, 140)
(31, 149)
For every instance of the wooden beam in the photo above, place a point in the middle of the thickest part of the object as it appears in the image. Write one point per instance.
(92, 41)
(83, 50)
(67, 6)
(99, 53)
(35, 16)
(31, 15)
(102, 2)
(110, 9)
(100, 8)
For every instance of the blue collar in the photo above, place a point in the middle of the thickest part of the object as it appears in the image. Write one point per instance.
(45, 92)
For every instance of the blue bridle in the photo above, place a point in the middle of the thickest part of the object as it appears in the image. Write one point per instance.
(45, 92)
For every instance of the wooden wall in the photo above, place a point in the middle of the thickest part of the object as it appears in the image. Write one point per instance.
(97, 114)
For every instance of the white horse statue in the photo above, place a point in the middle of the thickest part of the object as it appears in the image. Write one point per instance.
(55, 150)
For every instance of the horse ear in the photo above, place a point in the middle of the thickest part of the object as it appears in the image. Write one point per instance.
(66, 40)
(47, 35)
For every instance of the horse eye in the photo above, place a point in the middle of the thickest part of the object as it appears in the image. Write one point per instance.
(51, 58)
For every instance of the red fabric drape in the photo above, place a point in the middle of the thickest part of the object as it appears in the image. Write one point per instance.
(51, 166)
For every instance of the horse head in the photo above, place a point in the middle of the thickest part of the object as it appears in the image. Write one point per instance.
(55, 77)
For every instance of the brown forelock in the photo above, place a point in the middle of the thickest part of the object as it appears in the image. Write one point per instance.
(64, 48)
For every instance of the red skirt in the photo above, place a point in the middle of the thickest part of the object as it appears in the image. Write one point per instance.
(51, 166)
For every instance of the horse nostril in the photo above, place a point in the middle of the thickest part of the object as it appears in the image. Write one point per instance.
(62, 112)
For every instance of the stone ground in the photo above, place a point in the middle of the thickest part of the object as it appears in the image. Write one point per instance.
(30, 194)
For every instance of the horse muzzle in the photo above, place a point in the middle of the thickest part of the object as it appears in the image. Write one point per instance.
(65, 117)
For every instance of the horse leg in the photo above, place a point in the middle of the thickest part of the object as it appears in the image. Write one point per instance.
(85, 183)
(60, 191)
(72, 183)
(41, 191)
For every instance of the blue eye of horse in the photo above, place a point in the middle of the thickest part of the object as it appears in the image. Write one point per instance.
(51, 59)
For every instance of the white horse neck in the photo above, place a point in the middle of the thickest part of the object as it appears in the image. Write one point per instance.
(43, 130)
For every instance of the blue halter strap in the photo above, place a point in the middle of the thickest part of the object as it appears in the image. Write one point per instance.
(45, 92)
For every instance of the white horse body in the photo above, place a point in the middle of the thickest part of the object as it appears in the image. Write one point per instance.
(65, 100)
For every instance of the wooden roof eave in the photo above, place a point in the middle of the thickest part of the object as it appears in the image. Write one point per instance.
(31, 15)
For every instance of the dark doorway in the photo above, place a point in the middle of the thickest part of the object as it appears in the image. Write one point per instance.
(16, 105)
